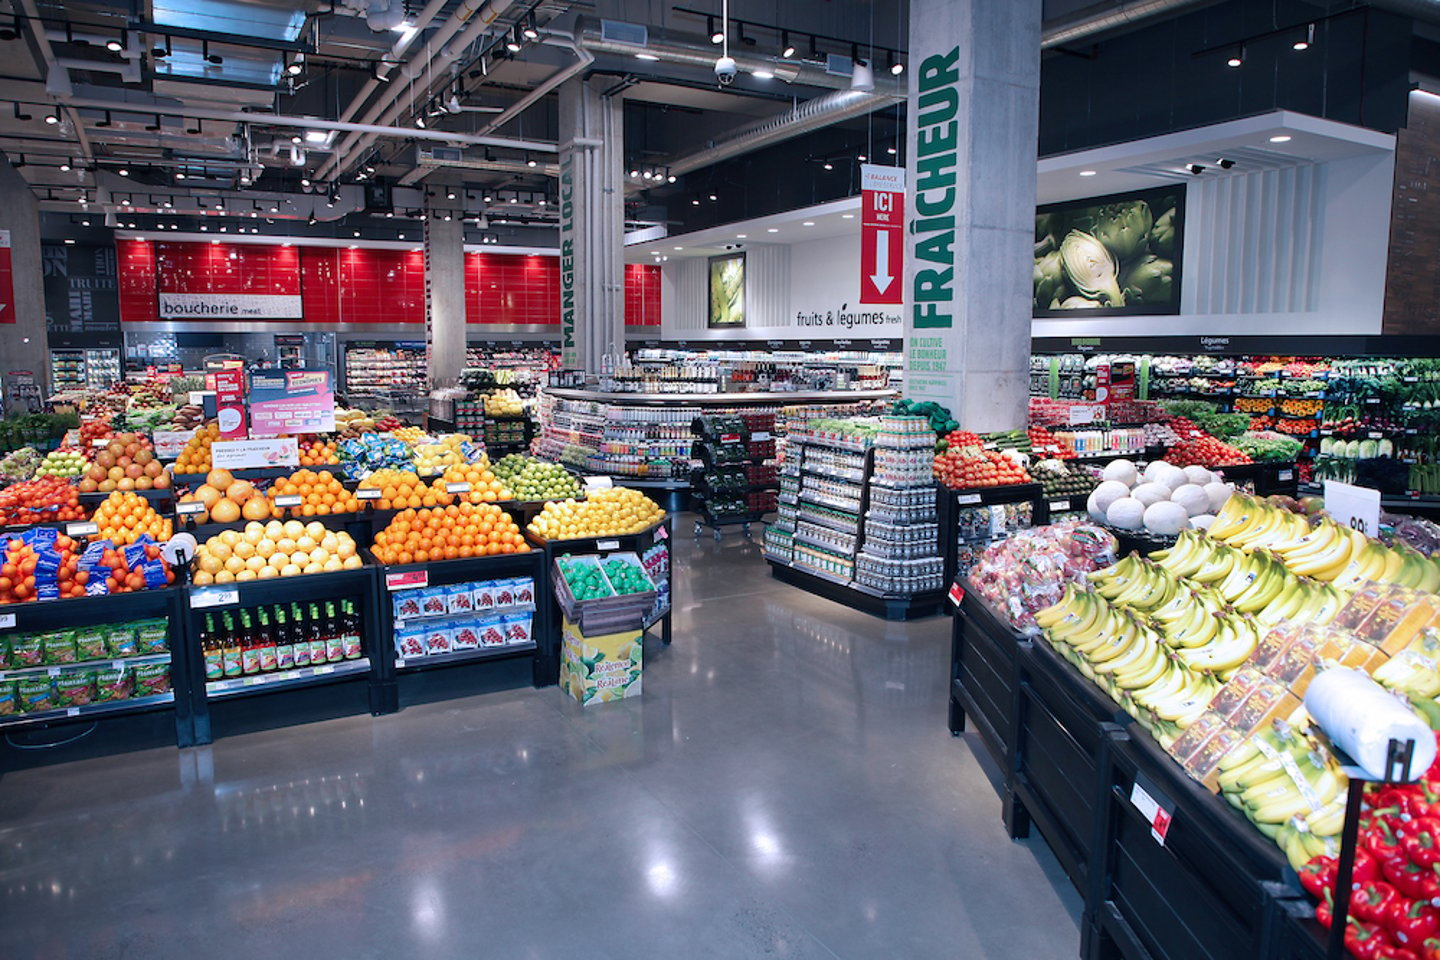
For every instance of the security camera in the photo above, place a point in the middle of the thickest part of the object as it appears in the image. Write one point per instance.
(1225, 164)
(725, 70)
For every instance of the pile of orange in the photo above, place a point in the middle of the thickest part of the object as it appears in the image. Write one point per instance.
(124, 516)
(484, 487)
(447, 533)
(321, 494)
(195, 458)
(403, 489)
(318, 453)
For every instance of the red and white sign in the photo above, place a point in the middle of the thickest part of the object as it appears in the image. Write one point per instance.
(230, 306)
(7, 283)
(882, 234)
(230, 403)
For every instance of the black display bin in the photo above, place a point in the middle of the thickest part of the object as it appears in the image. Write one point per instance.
(91, 611)
(984, 655)
(357, 585)
(392, 579)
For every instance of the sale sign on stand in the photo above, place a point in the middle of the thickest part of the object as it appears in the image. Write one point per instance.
(882, 234)
(230, 403)
(291, 401)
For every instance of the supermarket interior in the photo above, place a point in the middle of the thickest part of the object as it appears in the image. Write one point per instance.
(467, 459)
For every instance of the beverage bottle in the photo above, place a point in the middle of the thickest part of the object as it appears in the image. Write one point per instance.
(316, 639)
(298, 641)
(249, 645)
(284, 644)
(350, 633)
(231, 654)
(265, 638)
(210, 649)
(334, 642)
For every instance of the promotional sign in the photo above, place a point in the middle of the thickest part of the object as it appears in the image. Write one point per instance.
(230, 403)
(247, 454)
(82, 302)
(1352, 506)
(169, 443)
(231, 306)
(7, 284)
(291, 401)
(882, 234)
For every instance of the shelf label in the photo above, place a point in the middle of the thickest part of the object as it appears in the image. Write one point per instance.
(1376, 435)
(53, 671)
(189, 509)
(102, 442)
(368, 493)
(170, 443)
(1374, 400)
(400, 663)
(7, 621)
(214, 597)
(289, 502)
(957, 593)
(1057, 506)
(72, 711)
(407, 580)
(759, 437)
(254, 681)
(967, 499)
(1287, 475)
(457, 488)
(1152, 810)
(607, 544)
(322, 671)
(86, 528)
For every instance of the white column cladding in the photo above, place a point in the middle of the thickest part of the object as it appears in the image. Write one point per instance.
(972, 139)
(444, 297)
(592, 226)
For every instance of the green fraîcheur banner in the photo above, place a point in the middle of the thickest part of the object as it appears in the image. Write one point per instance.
(1113, 256)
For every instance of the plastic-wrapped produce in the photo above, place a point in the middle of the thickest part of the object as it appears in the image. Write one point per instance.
(1028, 571)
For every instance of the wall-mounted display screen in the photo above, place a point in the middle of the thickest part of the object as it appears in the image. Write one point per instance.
(727, 290)
(1113, 256)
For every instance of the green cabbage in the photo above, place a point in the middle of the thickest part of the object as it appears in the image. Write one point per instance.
(1124, 228)
(1049, 278)
(1149, 281)
(1090, 268)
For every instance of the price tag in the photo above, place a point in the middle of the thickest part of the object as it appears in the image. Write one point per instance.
(1374, 400)
(322, 671)
(406, 580)
(7, 621)
(189, 509)
(759, 437)
(367, 493)
(1287, 475)
(72, 712)
(1352, 506)
(457, 488)
(205, 597)
(289, 502)
(1057, 506)
(661, 533)
(598, 483)
(104, 442)
(967, 499)
(53, 671)
(989, 446)
(87, 528)
(1376, 435)
(957, 593)
(254, 681)
(117, 665)
(400, 663)
(607, 544)
(1152, 810)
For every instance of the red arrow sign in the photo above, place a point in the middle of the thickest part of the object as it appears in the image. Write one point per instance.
(882, 241)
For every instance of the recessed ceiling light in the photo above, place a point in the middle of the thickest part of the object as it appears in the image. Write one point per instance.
(741, 236)
(1280, 138)
(679, 248)
(763, 75)
(1087, 173)
(772, 229)
(847, 216)
(68, 240)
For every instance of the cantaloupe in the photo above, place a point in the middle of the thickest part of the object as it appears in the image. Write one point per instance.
(1127, 513)
(1103, 496)
(1120, 470)
(1166, 518)
(1193, 498)
(1148, 493)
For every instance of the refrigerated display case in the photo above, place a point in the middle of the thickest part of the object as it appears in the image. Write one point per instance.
(76, 369)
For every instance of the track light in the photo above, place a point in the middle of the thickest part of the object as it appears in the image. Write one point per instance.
(634, 174)
(671, 178)
(716, 36)
(829, 166)
(787, 49)
(1237, 58)
(297, 65)
(530, 32)
(207, 56)
(1195, 168)
(530, 161)
(896, 67)
(123, 172)
(179, 174)
(115, 46)
(52, 118)
(65, 167)
(26, 116)
(1304, 42)
(420, 121)
(514, 44)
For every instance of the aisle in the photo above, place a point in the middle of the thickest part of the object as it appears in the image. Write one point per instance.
(786, 787)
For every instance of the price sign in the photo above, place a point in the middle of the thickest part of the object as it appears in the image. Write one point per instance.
(1376, 435)
(957, 593)
(322, 671)
(7, 621)
(86, 529)
(759, 437)
(103, 442)
(214, 597)
(367, 493)
(72, 711)
(189, 509)
(406, 580)
(967, 499)
(288, 502)
(598, 483)
(1057, 506)
(457, 488)
(1352, 506)
(169, 443)
(607, 544)
(1286, 475)
(1153, 808)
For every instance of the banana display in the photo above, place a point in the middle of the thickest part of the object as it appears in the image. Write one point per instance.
(1328, 552)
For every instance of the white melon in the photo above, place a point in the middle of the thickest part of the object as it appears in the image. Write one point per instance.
(1127, 513)
(1105, 494)
(1172, 477)
(1166, 518)
(1198, 475)
(1193, 498)
(1152, 470)
(1148, 493)
(1203, 521)
(1218, 493)
(1122, 471)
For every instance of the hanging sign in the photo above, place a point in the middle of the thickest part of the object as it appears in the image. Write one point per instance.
(291, 401)
(882, 234)
(230, 403)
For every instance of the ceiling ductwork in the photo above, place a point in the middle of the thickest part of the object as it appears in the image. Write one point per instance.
(1107, 16)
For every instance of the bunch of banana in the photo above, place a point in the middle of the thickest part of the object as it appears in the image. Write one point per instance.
(1191, 618)
(1236, 637)
(1250, 523)
(1136, 583)
(1260, 778)
(1410, 672)
(1305, 600)
(1178, 697)
(1191, 551)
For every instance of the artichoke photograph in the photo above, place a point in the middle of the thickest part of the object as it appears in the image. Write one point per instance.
(1117, 254)
(727, 291)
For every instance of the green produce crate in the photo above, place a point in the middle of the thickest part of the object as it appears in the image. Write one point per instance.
(603, 615)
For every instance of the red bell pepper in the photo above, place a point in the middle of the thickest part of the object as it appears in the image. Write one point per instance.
(1430, 950)
(1396, 953)
(1408, 879)
(1414, 926)
(1377, 903)
(1324, 912)
(1365, 940)
(1366, 869)
(1381, 840)
(1318, 875)
(1421, 842)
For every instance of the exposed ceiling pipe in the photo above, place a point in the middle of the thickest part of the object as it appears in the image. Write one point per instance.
(469, 21)
(822, 111)
(316, 123)
(518, 167)
(583, 59)
(397, 52)
(1107, 16)
(48, 65)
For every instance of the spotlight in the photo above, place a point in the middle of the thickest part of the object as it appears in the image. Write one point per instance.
(115, 46)
(420, 121)
(123, 172)
(530, 33)
(861, 157)
(1237, 58)
(716, 36)
(179, 174)
(634, 174)
(713, 197)
(1304, 42)
(1225, 164)
(896, 67)
(671, 178)
(891, 150)
(829, 165)
(513, 44)
(65, 167)
(787, 49)
(297, 65)
(1195, 168)
(530, 162)
(52, 118)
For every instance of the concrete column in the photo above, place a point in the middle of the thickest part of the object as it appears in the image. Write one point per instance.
(972, 137)
(444, 296)
(592, 226)
(23, 346)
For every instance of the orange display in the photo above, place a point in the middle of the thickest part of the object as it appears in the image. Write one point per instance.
(448, 533)
(124, 516)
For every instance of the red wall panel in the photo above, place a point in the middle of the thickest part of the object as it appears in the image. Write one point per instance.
(187, 267)
(642, 295)
(505, 288)
(136, 260)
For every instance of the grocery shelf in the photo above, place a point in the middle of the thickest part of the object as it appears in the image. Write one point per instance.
(286, 679)
(722, 399)
(54, 669)
(464, 656)
(88, 711)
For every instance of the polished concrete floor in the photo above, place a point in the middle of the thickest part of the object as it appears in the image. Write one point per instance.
(786, 787)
